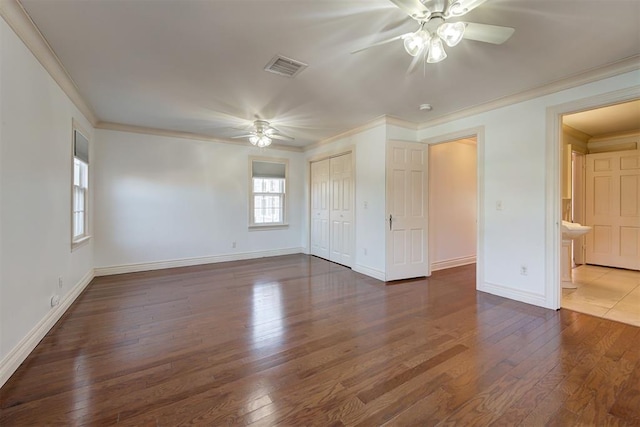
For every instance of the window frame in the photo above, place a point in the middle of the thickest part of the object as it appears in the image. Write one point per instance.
(80, 240)
(285, 196)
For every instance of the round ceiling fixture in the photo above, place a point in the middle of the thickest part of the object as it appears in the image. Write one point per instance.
(426, 107)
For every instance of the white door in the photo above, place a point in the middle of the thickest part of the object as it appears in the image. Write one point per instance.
(613, 209)
(332, 209)
(341, 241)
(406, 236)
(320, 208)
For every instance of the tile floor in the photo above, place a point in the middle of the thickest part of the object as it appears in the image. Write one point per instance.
(605, 292)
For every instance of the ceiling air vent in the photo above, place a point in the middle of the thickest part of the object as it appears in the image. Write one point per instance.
(285, 66)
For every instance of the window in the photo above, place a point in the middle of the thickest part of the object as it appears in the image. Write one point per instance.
(80, 191)
(268, 195)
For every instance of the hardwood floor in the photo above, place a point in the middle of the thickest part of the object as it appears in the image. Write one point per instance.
(296, 340)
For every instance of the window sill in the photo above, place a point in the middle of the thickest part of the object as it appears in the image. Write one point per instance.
(79, 243)
(258, 227)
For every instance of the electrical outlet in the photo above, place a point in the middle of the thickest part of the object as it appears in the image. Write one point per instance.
(366, 205)
(524, 270)
(499, 205)
(365, 251)
(233, 245)
(60, 282)
(55, 300)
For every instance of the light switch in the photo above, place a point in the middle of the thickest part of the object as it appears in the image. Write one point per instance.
(499, 205)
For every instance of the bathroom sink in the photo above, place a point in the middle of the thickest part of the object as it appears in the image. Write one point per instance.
(573, 230)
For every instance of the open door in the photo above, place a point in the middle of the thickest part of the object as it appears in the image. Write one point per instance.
(406, 221)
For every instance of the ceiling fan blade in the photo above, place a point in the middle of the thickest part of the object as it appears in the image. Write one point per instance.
(281, 137)
(392, 39)
(276, 133)
(242, 136)
(413, 8)
(493, 34)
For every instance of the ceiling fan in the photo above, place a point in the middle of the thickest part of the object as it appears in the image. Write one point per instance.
(433, 29)
(263, 134)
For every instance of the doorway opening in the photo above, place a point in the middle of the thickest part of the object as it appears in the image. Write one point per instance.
(453, 189)
(469, 140)
(600, 189)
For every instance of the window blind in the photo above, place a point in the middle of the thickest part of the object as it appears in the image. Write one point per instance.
(80, 147)
(267, 169)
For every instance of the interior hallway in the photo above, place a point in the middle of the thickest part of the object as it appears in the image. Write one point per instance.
(611, 293)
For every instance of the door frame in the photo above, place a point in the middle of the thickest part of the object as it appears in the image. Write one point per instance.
(553, 208)
(582, 199)
(324, 156)
(477, 133)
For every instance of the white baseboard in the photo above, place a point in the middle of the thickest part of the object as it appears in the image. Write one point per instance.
(514, 294)
(367, 271)
(19, 353)
(186, 262)
(454, 262)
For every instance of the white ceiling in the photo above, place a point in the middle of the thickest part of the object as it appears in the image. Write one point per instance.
(623, 117)
(197, 65)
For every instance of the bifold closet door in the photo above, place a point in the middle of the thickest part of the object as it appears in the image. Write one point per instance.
(320, 208)
(341, 231)
(332, 209)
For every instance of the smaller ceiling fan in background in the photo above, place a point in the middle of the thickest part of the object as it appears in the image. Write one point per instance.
(432, 15)
(263, 134)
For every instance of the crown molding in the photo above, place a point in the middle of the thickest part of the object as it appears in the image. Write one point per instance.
(183, 135)
(575, 133)
(20, 22)
(378, 121)
(615, 135)
(626, 65)
(395, 121)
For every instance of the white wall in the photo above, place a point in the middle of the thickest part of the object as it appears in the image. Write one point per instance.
(163, 199)
(2, 47)
(35, 189)
(452, 203)
(514, 173)
(369, 149)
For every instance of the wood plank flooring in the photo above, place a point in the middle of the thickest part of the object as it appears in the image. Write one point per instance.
(296, 340)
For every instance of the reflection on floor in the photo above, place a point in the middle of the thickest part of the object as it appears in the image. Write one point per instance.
(605, 292)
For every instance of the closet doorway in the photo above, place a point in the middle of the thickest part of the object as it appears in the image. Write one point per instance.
(332, 212)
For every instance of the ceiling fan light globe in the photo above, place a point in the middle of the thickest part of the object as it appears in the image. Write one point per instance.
(414, 43)
(254, 139)
(263, 141)
(436, 51)
(451, 33)
(412, 46)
